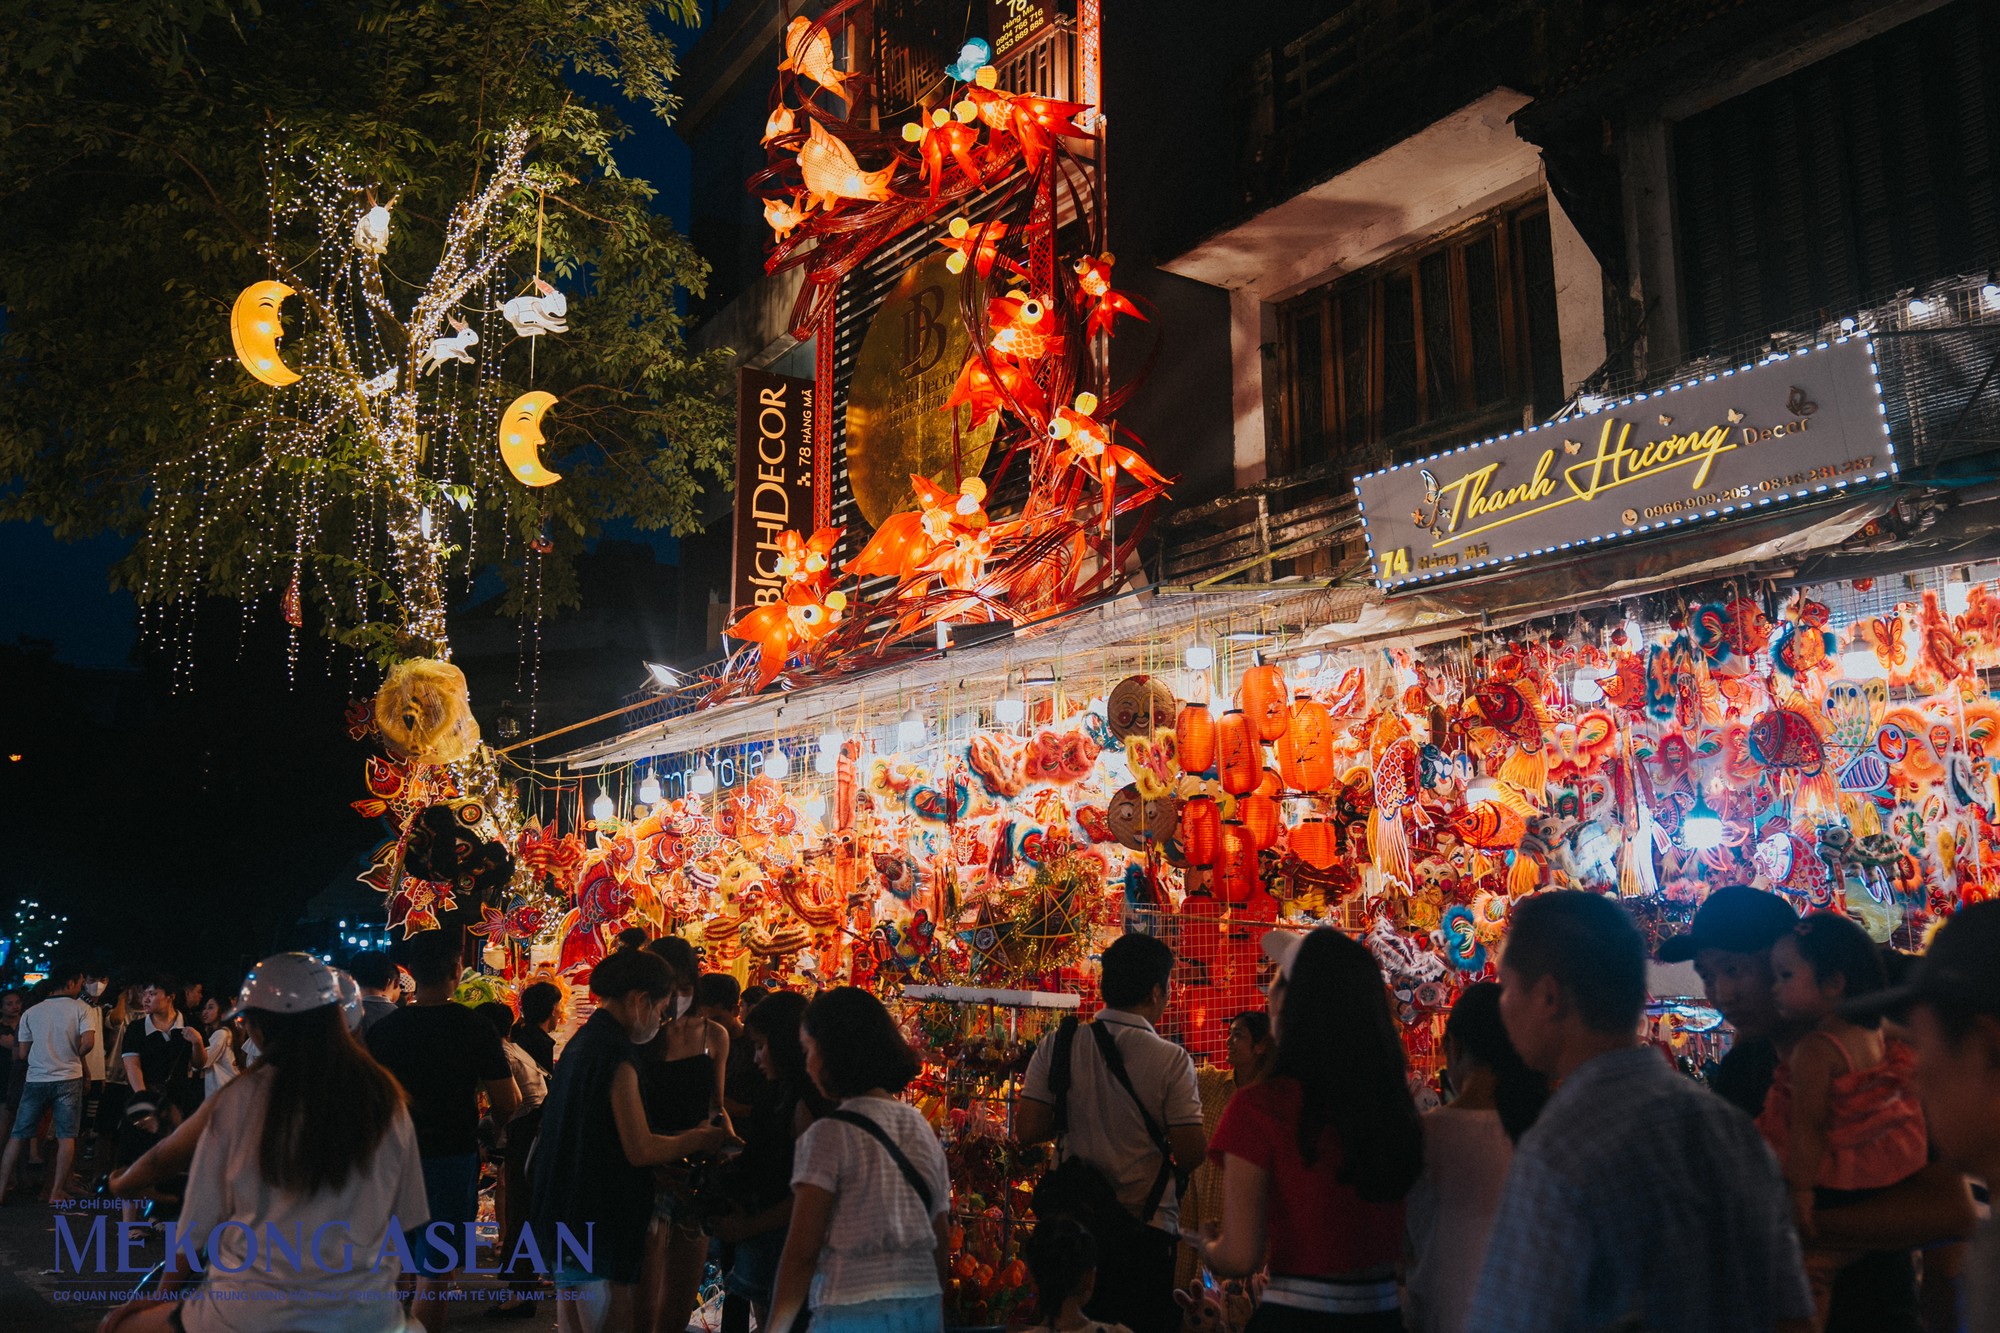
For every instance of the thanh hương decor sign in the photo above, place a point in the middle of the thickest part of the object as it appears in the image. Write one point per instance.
(1802, 424)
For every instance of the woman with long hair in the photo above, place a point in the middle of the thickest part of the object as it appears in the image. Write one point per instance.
(1468, 1147)
(761, 1179)
(1317, 1157)
(681, 1073)
(314, 1141)
(594, 1158)
(871, 1209)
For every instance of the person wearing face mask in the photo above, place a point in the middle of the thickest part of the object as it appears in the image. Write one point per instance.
(592, 1169)
(681, 1080)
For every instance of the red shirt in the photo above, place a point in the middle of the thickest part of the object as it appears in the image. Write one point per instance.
(1315, 1225)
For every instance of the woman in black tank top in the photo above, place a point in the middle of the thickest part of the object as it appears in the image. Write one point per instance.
(680, 1080)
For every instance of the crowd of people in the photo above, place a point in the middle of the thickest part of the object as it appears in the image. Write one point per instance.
(1820, 1176)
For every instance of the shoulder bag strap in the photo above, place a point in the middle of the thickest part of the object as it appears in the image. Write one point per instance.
(881, 1136)
(1114, 1060)
(1059, 1073)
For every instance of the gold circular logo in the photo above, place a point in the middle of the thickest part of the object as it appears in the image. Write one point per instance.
(896, 426)
(1630, 516)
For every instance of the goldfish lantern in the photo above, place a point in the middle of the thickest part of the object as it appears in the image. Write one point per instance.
(1239, 754)
(1138, 705)
(1264, 701)
(1317, 842)
(1261, 816)
(1305, 750)
(1236, 869)
(1194, 730)
(1201, 831)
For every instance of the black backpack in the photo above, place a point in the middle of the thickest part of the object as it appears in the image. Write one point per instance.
(1077, 1189)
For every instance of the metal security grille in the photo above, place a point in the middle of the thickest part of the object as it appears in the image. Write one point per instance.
(1873, 170)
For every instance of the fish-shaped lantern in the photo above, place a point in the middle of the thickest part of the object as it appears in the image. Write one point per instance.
(809, 53)
(831, 174)
(1093, 278)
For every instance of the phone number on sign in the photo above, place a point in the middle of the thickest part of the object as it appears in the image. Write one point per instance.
(1745, 492)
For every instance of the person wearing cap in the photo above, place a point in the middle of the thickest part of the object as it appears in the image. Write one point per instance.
(1950, 1008)
(1119, 1126)
(1729, 942)
(1316, 1158)
(313, 1141)
(1637, 1199)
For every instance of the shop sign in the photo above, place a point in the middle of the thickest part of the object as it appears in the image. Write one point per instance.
(774, 478)
(1737, 441)
(1015, 22)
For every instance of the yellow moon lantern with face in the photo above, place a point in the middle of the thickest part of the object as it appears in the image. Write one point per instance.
(255, 329)
(521, 439)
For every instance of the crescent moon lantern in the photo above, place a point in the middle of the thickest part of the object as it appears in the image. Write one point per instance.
(255, 329)
(521, 438)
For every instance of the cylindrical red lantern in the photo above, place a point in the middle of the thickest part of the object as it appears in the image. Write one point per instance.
(1305, 751)
(1265, 701)
(1317, 842)
(1270, 784)
(1239, 755)
(1194, 735)
(1236, 877)
(1262, 817)
(1201, 831)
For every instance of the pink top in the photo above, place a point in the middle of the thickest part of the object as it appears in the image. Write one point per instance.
(1876, 1136)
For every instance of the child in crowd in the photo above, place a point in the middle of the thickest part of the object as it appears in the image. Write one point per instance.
(1842, 1114)
(1062, 1259)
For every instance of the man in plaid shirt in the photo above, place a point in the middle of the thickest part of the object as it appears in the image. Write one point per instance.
(1639, 1200)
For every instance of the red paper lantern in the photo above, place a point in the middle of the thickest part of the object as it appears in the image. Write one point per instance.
(1305, 751)
(1262, 817)
(1317, 843)
(1201, 831)
(1236, 871)
(1239, 754)
(1194, 734)
(1265, 701)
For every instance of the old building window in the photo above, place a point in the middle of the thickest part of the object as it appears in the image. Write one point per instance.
(1449, 339)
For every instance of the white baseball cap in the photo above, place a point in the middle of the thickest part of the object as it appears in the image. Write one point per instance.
(1282, 947)
(289, 983)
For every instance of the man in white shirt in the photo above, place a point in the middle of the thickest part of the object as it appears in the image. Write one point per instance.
(55, 1038)
(1120, 1131)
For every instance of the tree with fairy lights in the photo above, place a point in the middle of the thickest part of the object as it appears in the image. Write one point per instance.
(439, 188)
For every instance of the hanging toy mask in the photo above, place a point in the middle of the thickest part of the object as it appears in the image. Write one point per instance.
(423, 713)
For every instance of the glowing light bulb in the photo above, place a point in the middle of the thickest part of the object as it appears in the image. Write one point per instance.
(1919, 307)
(649, 789)
(1702, 828)
(1587, 686)
(703, 781)
(1009, 709)
(1199, 657)
(910, 731)
(777, 764)
(815, 804)
(601, 809)
(1860, 663)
